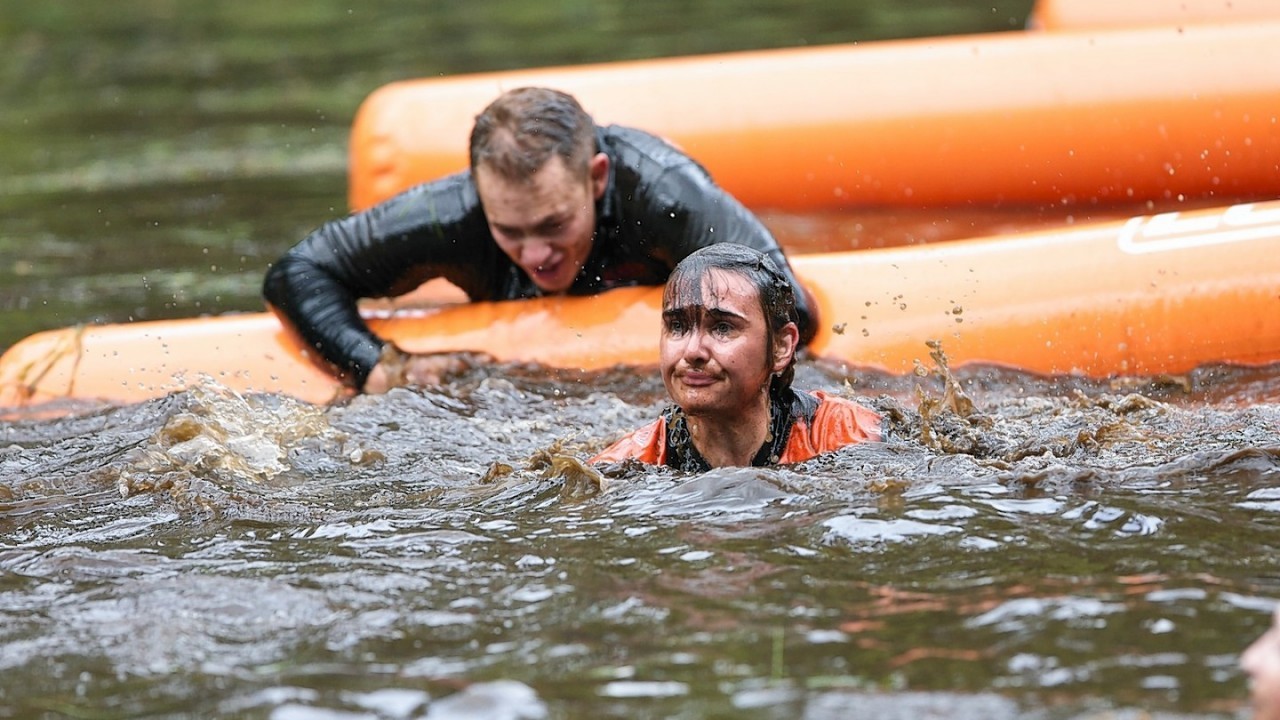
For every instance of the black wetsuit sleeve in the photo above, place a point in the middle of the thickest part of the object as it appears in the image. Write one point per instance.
(706, 215)
(433, 230)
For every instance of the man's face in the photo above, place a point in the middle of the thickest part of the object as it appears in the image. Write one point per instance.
(715, 358)
(1262, 662)
(544, 224)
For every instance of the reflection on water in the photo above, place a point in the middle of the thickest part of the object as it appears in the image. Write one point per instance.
(1067, 549)
(213, 554)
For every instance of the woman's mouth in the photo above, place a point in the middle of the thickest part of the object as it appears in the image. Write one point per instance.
(697, 379)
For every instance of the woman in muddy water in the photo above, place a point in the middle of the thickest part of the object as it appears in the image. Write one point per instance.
(728, 353)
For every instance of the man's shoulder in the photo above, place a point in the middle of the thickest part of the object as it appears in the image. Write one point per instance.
(634, 146)
(457, 184)
(447, 200)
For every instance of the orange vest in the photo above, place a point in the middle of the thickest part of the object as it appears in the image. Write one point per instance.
(837, 422)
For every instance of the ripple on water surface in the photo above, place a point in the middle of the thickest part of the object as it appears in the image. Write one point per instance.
(1063, 546)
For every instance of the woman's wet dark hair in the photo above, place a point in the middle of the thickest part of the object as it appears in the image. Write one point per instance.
(777, 296)
(523, 128)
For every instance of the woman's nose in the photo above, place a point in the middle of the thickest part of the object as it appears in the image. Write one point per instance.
(695, 345)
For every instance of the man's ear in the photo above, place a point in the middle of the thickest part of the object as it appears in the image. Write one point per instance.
(599, 170)
(785, 343)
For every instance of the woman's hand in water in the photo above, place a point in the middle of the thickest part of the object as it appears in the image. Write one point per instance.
(397, 368)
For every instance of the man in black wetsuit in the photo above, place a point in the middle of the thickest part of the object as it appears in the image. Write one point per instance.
(552, 204)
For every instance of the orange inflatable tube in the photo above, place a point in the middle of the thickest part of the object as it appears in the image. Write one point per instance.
(1151, 295)
(1117, 116)
(1097, 14)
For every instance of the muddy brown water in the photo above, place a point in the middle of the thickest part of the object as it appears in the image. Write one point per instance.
(1070, 548)
(1066, 548)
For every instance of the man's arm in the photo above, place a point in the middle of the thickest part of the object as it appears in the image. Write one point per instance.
(390, 249)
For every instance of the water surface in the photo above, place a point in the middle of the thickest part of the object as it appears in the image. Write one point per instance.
(1070, 549)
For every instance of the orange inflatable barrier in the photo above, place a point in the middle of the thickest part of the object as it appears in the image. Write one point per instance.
(1118, 116)
(1150, 295)
(1096, 14)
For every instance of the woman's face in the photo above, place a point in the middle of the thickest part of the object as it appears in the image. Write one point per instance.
(1261, 661)
(715, 355)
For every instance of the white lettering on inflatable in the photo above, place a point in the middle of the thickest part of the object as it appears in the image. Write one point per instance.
(1178, 231)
